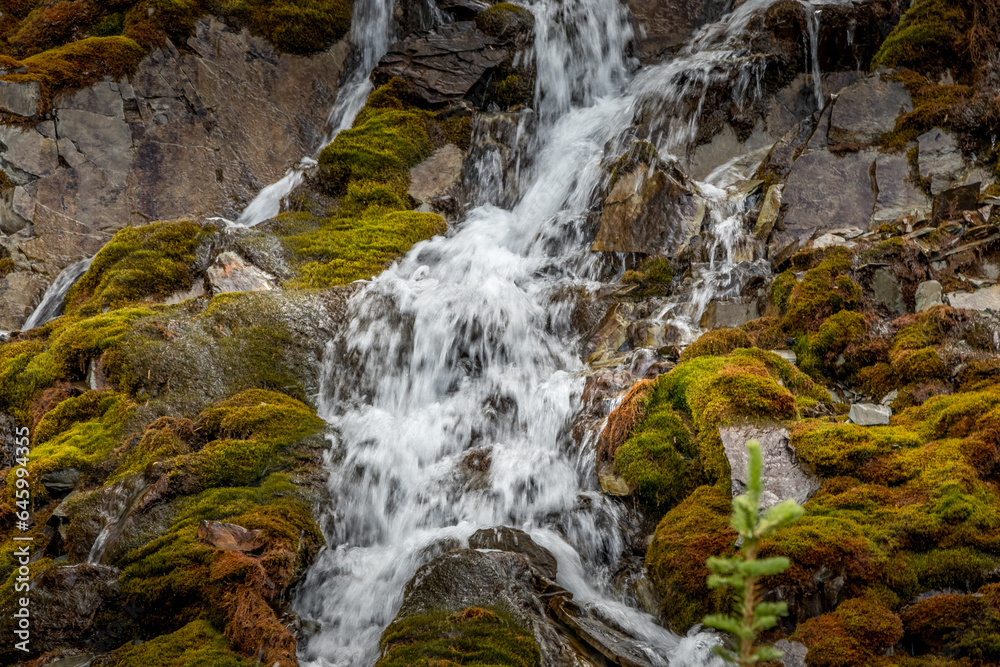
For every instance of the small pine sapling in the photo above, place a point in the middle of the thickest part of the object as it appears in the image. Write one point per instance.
(744, 571)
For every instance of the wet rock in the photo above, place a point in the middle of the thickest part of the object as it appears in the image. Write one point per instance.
(21, 98)
(230, 537)
(75, 605)
(503, 538)
(609, 642)
(609, 335)
(769, 210)
(60, 482)
(928, 295)
(436, 176)
(869, 414)
(823, 193)
(793, 653)
(649, 213)
(176, 139)
(866, 110)
(887, 291)
(783, 477)
(940, 160)
(728, 314)
(898, 195)
(787, 355)
(987, 298)
(452, 63)
(611, 482)
(950, 204)
(230, 273)
(663, 25)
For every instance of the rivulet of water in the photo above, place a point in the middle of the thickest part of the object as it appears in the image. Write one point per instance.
(463, 353)
(52, 304)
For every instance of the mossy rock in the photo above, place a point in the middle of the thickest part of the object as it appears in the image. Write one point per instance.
(927, 38)
(139, 264)
(301, 27)
(473, 636)
(686, 536)
(197, 643)
(859, 632)
(505, 20)
(715, 343)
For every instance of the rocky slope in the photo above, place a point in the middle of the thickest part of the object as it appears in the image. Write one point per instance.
(848, 317)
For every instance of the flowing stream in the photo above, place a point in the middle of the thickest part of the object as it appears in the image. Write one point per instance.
(52, 303)
(463, 351)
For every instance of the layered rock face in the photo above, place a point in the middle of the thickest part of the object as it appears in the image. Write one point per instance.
(188, 135)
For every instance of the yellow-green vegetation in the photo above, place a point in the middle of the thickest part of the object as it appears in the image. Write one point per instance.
(474, 636)
(834, 449)
(368, 169)
(505, 20)
(696, 529)
(71, 44)
(716, 342)
(197, 643)
(138, 264)
(825, 289)
(664, 437)
(248, 435)
(928, 36)
(652, 277)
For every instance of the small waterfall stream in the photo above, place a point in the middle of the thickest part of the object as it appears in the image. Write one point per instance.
(52, 304)
(464, 350)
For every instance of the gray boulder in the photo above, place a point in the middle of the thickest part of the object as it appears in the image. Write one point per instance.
(649, 211)
(897, 194)
(869, 414)
(231, 273)
(20, 98)
(436, 177)
(783, 477)
(940, 160)
(663, 25)
(987, 298)
(928, 295)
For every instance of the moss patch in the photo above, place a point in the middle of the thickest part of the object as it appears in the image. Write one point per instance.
(197, 643)
(139, 264)
(474, 636)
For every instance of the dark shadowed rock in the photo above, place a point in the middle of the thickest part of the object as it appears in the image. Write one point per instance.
(451, 63)
(863, 112)
(824, 193)
(950, 204)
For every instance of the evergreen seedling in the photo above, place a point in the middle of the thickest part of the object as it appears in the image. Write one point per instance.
(744, 571)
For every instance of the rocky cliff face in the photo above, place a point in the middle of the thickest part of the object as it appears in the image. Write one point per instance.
(792, 238)
(187, 135)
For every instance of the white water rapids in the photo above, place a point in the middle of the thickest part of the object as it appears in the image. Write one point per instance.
(465, 347)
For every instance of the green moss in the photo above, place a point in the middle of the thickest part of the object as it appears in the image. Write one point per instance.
(301, 27)
(686, 536)
(716, 342)
(89, 405)
(927, 37)
(824, 290)
(25, 370)
(381, 147)
(194, 645)
(138, 264)
(840, 449)
(857, 633)
(343, 250)
(474, 636)
(781, 289)
(515, 90)
(505, 20)
(6, 266)
(654, 460)
(80, 340)
(79, 64)
(962, 626)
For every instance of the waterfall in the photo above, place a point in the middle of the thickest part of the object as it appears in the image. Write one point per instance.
(463, 350)
(812, 27)
(371, 36)
(52, 301)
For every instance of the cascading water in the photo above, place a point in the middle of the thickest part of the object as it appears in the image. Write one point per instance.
(463, 351)
(812, 27)
(371, 35)
(51, 305)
